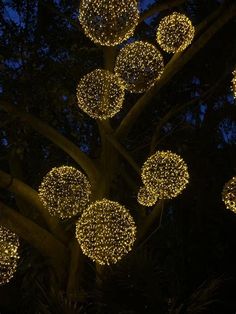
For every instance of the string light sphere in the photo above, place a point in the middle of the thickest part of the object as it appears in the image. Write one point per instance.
(109, 22)
(65, 191)
(145, 197)
(10, 241)
(7, 271)
(100, 94)
(165, 173)
(9, 255)
(175, 32)
(106, 232)
(229, 194)
(233, 87)
(139, 65)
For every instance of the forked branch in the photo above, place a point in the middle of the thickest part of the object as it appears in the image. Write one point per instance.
(38, 237)
(61, 141)
(174, 66)
(30, 196)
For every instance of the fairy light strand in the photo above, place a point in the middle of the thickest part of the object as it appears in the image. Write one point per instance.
(106, 232)
(9, 255)
(65, 191)
(100, 94)
(165, 173)
(233, 86)
(109, 22)
(229, 194)
(7, 271)
(145, 197)
(175, 32)
(139, 65)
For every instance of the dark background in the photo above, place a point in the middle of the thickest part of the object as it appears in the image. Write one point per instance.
(188, 266)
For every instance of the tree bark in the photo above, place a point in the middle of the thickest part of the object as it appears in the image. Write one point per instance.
(71, 149)
(30, 196)
(38, 237)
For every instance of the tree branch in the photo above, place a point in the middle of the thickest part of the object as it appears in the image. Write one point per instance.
(71, 149)
(177, 109)
(129, 181)
(175, 65)
(108, 131)
(30, 196)
(151, 219)
(75, 271)
(38, 237)
(109, 54)
(205, 23)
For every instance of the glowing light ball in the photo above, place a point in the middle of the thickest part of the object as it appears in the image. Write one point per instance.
(109, 22)
(100, 94)
(7, 270)
(106, 232)
(9, 245)
(229, 194)
(166, 174)
(65, 191)
(139, 65)
(175, 32)
(10, 241)
(145, 197)
(233, 87)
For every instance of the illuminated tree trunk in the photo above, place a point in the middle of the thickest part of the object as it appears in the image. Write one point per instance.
(65, 254)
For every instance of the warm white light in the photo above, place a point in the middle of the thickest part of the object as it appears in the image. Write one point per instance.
(106, 232)
(100, 94)
(9, 245)
(139, 65)
(166, 174)
(65, 191)
(233, 86)
(108, 22)
(175, 32)
(146, 197)
(229, 194)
